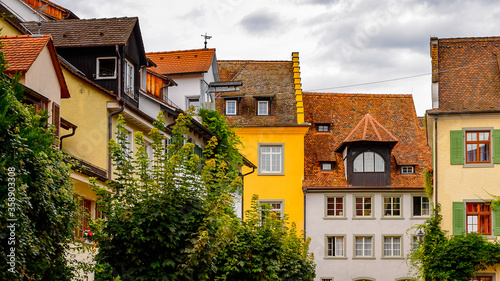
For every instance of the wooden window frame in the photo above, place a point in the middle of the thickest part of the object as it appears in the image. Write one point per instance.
(392, 249)
(477, 142)
(364, 246)
(98, 66)
(335, 211)
(483, 225)
(331, 250)
(363, 204)
(421, 206)
(392, 208)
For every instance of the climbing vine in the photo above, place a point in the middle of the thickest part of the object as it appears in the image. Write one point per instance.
(428, 182)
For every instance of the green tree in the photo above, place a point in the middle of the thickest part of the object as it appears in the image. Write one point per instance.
(37, 208)
(439, 257)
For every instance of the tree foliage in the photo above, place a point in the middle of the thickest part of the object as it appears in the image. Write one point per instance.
(37, 212)
(173, 218)
(439, 257)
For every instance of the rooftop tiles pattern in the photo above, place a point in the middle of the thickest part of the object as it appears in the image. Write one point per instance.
(182, 62)
(347, 115)
(21, 51)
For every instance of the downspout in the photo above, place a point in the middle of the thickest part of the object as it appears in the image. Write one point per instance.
(435, 160)
(304, 189)
(122, 107)
(243, 192)
(66, 136)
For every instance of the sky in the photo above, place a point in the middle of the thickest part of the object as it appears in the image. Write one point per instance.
(345, 46)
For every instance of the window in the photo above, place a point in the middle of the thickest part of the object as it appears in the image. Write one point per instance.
(406, 170)
(231, 107)
(84, 213)
(263, 107)
(392, 246)
(276, 206)
(271, 159)
(363, 206)
(335, 206)
(106, 68)
(323, 128)
(421, 206)
(335, 246)
(195, 102)
(326, 279)
(478, 218)
(392, 206)
(481, 278)
(128, 78)
(477, 146)
(164, 94)
(369, 162)
(326, 166)
(363, 246)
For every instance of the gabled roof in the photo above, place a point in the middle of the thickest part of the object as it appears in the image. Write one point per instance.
(50, 10)
(88, 32)
(467, 71)
(182, 62)
(272, 80)
(21, 52)
(368, 129)
(363, 118)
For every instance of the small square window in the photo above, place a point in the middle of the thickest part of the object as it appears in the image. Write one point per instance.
(106, 68)
(407, 170)
(392, 206)
(276, 206)
(327, 166)
(231, 106)
(335, 206)
(263, 107)
(271, 159)
(323, 128)
(363, 206)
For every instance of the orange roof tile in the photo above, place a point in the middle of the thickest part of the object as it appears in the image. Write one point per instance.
(182, 62)
(363, 117)
(51, 10)
(368, 129)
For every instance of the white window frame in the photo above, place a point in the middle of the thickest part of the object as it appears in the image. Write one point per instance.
(144, 79)
(341, 252)
(278, 211)
(266, 113)
(324, 166)
(190, 100)
(128, 78)
(407, 170)
(392, 249)
(98, 64)
(355, 216)
(364, 162)
(392, 216)
(421, 207)
(364, 248)
(281, 158)
(326, 279)
(235, 102)
(320, 128)
(342, 214)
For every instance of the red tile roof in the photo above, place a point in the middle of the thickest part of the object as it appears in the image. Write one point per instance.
(88, 32)
(51, 10)
(361, 117)
(22, 50)
(261, 79)
(468, 73)
(182, 62)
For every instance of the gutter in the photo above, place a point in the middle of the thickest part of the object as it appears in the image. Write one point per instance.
(66, 136)
(122, 107)
(435, 170)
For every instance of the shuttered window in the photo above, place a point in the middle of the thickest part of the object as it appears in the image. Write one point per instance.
(457, 147)
(479, 154)
(458, 218)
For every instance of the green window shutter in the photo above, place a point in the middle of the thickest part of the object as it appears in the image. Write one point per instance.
(456, 147)
(496, 146)
(496, 221)
(458, 218)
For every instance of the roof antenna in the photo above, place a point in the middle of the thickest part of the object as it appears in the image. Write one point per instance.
(206, 37)
(40, 9)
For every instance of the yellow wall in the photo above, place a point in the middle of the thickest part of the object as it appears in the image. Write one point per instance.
(86, 108)
(7, 29)
(287, 187)
(456, 183)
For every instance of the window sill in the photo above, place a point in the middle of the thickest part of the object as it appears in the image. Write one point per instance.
(105, 78)
(393, 258)
(363, 258)
(392, 218)
(335, 258)
(335, 218)
(419, 217)
(270, 174)
(363, 218)
(477, 165)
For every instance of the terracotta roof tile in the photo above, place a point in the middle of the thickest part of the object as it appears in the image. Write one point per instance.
(87, 32)
(261, 79)
(468, 73)
(358, 117)
(21, 51)
(181, 62)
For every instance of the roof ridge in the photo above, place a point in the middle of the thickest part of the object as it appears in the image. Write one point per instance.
(91, 19)
(262, 61)
(180, 51)
(361, 94)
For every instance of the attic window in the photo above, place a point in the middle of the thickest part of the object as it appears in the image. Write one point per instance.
(106, 68)
(326, 166)
(407, 170)
(323, 128)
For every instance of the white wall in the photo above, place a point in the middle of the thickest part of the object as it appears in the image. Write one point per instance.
(349, 268)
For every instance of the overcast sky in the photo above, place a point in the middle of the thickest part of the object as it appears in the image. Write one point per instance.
(341, 43)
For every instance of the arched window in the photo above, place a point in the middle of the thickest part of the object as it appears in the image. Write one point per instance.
(369, 162)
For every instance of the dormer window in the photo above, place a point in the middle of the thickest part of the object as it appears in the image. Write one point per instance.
(231, 107)
(106, 68)
(263, 107)
(326, 166)
(369, 162)
(322, 128)
(407, 170)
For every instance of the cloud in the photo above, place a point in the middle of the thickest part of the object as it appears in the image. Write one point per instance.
(261, 22)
